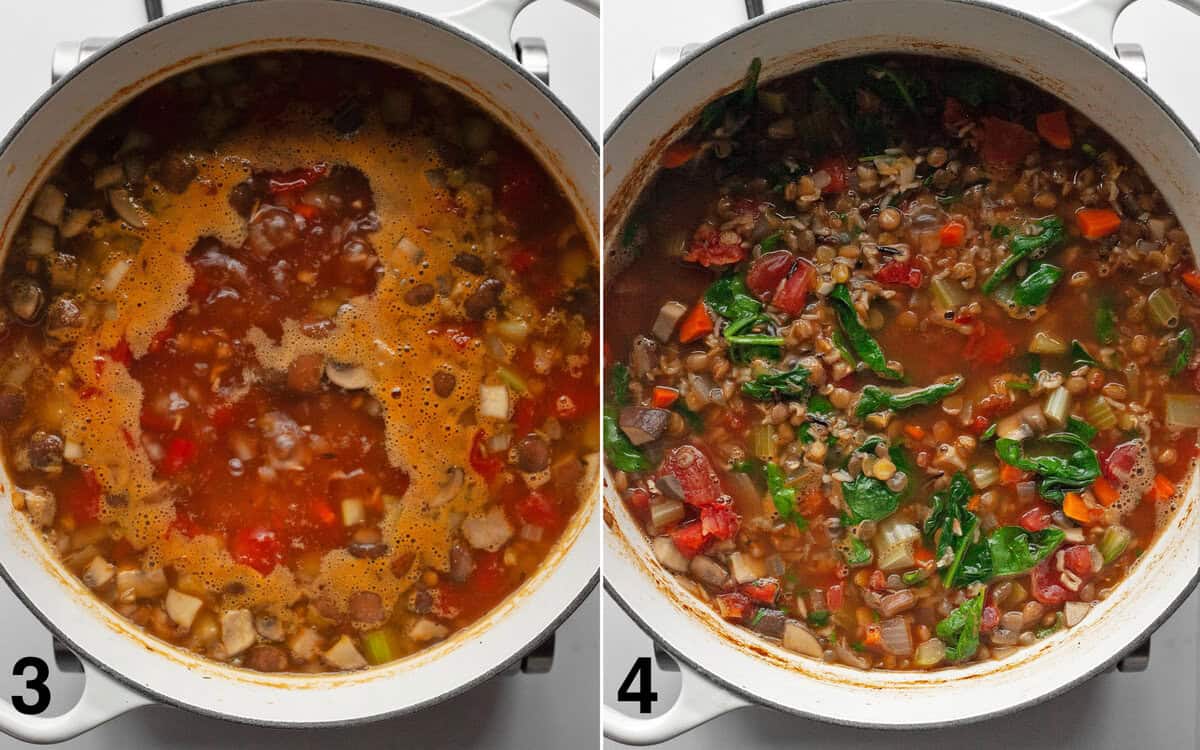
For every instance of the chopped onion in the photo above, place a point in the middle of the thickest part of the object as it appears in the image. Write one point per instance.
(1074, 612)
(493, 401)
(668, 554)
(49, 204)
(41, 240)
(499, 442)
(513, 330)
(664, 513)
(930, 653)
(410, 250)
(894, 544)
(1182, 411)
(668, 317)
(947, 294)
(353, 511)
(896, 637)
(1012, 428)
(746, 567)
(531, 533)
(114, 275)
(72, 451)
(126, 208)
(798, 638)
(985, 475)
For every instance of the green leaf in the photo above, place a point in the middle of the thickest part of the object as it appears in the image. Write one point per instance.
(619, 378)
(1035, 289)
(843, 346)
(857, 553)
(1080, 356)
(874, 399)
(866, 347)
(694, 421)
(770, 241)
(1084, 430)
(818, 404)
(989, 433)
(1106, 322)
(905, 87)
(1007, 551)
(750, 82)
(730, 298)
(973, 86)
(1185, 345)
(960, 630)
(779, 385)
(620, 451)
(999, 231)
(1021, 246)
(782, 496)
(869, 499)
(818, 618)
(949, 515)
(1059, 474)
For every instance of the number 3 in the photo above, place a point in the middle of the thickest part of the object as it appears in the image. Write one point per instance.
(644, 697)
(37, 684)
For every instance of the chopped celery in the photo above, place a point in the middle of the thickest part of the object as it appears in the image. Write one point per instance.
(1058, 405)
(947, 295)
(1100, 414)
(1182, 411)
(512, 380)
(377, 646)
(1163, 308)
(762, 443)
(1114, 542)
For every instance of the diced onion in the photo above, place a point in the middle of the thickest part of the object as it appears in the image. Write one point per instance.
(126, 208)
(513, 330)
(668, 554)
(895, 636)
(985, 475)
(930, 653)
(114, 275)
(353, 511)
(894, 544)
(1182, 411)
(746, 567)
(493, 401)
(50, 204)
(41, 240)
(664, 513)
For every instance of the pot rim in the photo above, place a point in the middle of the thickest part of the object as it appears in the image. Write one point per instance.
(584, 590)
(1066, 35)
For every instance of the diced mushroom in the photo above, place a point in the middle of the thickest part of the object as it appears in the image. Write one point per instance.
(533, 453)
(108, 176)
(484, 299)
(443, 383)
(126, 208)
(63, 270)
(643, 356)
(643, 424)
(668, 318)
(269, 627)
(798, 638)
(25, 298)
(419, 295)
(745, 567)
(176, 171)
(75, 222)
(264, 658)
(462, 564)
(98, 572)
(470, 263)
(367, 543)
(344, 655)
(182, 608)
(709, 571)
(41, 505)
(304, 373)
(49, 204)
(237, 631)
(304, 644)
(347, 376)
(64, 318)
(1074, 612)
(425, 630)
(46, 452)
(770, 622)
(894, 604)
(489, 532)
(448, 490)
(141, 584)
(668, 554)
(366, 607)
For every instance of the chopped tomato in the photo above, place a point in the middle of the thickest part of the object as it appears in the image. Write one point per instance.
(538, 510)
(979, 424)
(1118, 464)
(1047, 584)
(835, 167)
(679, 153)
(792, 296)
(519, 256)
(256, 547)
(835, 597)
(952, 234)
(1095, 223)
(690, 466)
(297, 179)
(487, 466)
(697, 324)
(1005, 144)
(181, 452)
(988, 345)
(894, 272)
(1078, 559)
(735, 606)
(82, 498)
(322, 512)
(689, 538)
(763, 591)
(638, 499)
(720, 521)
(524, 415)
(1010, 474)
(1036, 518)
(120, 352)
(708, 250)
(1192, 280)
(877, 580)
(1054, 129)
(664, 396)
(767, 271)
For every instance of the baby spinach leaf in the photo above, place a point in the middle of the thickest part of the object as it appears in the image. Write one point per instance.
(975, 86)
(999, 231)
(1058, 474)
(1036, 287)
(770, 241)
(866, 347)
(869, 499)
(620, 451)
(783, 496)
(1021, 246)
(1185, 346)
(619, 379)
(1007, 551)
(818, 404)
(1084, 430)
(694, 421)
(779, 385)
(1080, 356)
(1106, 321)
(960, 630)
(730, 298)
(750, 82)
(857, 553)
(873, 398)
(949, 512)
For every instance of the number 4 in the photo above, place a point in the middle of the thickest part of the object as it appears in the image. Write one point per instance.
(644, 697)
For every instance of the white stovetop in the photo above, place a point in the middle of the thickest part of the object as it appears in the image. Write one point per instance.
(521, 712)
(1157, 709)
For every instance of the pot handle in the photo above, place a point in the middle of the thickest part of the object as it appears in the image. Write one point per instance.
(492, 20)
(1095, 20)
(700, 700)
(103, 699)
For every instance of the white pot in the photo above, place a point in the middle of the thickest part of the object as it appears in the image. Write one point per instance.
(740, 667)
(124, 666)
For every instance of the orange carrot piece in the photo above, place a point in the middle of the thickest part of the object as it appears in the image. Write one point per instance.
(952, 234)
(1011, 474)
(1163, 488)
(874, 637)
(922, 554)
(973, 504)
(914, 431)
(1095, 223)
(1105, 492)
(1054, 129)
(664, 396)
(1075, 508)
(1192, 279)
(696, 325)
(679, 153)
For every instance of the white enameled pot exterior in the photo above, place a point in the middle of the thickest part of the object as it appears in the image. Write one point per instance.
(741, 668)
(124, 666)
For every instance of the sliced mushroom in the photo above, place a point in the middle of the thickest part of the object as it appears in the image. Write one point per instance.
(470, 263)
(98, 572)
(668, 318)
(462, 564)
(770, 622)
(643, 356)
(41, 505)
(344, 655)
(305, 644)
(237, 631)
(12, 403)
(798, 638)
(425, 630)
(367, 543)
(176, 171)
(126, 208)
(346, 376)
(488, 532)
(50, 204)
(64, 318)
(450, 487)
(182, 608)
(25, 298)
(708, 571)
(643, 424)
(366, 607)
(269, 627)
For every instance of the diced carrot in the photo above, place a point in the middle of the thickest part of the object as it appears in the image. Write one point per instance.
(1104, 492)
(1075, 508)
(922, 554)
(973, 504)
(874, 637)
(696, 325)
(952, 234)
(664, 396)
(1053, 128)
(914, 431)
(1163, 489)
(679, 153)
(1192, 279)
(1011, 475)
(1095, 223)
(812, 504)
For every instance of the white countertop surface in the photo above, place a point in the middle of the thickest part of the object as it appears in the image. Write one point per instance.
(1159, 708)
(520, 711)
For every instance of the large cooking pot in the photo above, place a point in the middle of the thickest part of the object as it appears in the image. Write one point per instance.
(726, 667)
(124, 666)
